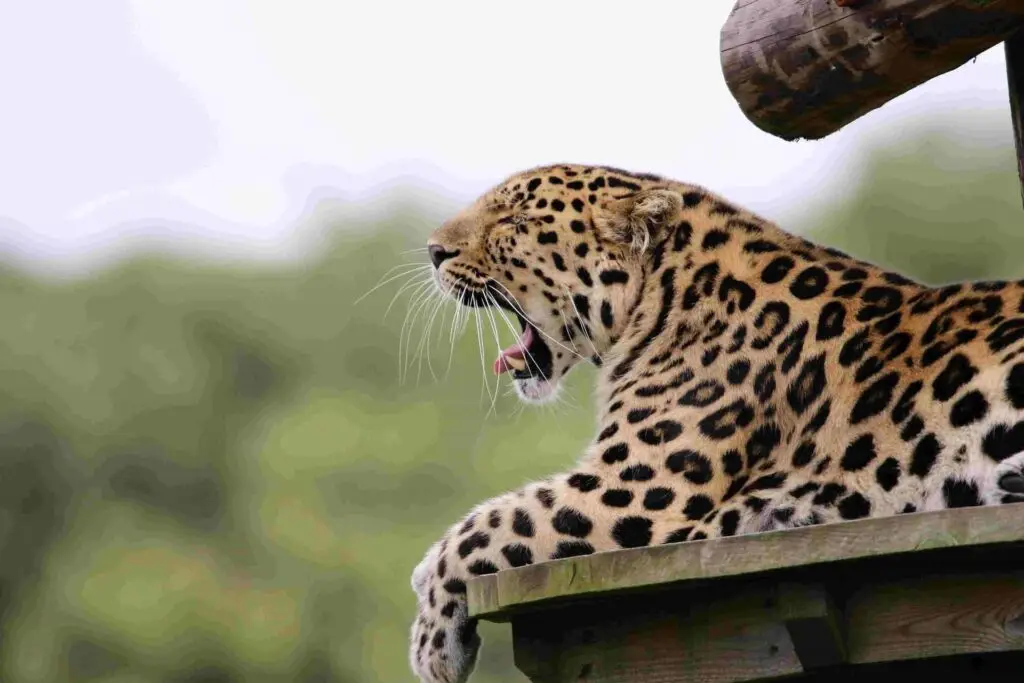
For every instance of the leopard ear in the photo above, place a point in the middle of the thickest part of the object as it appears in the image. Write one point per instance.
(637, 219)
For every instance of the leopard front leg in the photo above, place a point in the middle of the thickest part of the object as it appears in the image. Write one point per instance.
(495, 535)
(559, 517)
(444, 643)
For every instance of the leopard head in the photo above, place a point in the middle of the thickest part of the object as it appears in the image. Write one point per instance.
(558, 252)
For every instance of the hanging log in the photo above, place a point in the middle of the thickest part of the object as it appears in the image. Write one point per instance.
(806, 68)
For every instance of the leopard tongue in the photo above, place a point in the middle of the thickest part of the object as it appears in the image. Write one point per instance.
(514, 357)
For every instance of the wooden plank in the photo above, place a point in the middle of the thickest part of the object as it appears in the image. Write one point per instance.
(1014, 50)
(720, 639)
(483, 597)
(806, 68)
(936, 616)
(643, 568)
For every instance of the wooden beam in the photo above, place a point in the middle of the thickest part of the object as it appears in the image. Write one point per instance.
(814, 623)
(1014, 49)
(722, 638)
(806, 68)
(936, 616)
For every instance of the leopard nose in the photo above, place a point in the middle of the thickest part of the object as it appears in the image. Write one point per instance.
(439, 254)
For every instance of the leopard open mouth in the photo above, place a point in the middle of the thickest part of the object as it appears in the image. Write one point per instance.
(530, 356)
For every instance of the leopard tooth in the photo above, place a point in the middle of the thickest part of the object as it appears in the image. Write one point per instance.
(515, 362)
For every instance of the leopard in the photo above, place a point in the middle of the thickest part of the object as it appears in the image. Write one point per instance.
(748, 380)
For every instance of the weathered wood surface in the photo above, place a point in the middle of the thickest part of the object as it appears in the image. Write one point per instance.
(806, 68)
(936, 616)
(496, 596)
(665, 641)
(748, 635)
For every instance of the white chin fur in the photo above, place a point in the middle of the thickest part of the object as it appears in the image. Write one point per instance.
(535, 390)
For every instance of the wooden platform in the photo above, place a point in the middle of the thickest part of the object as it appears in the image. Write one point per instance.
(915, 595)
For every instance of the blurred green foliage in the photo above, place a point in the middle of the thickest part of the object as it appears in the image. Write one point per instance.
(213, 474)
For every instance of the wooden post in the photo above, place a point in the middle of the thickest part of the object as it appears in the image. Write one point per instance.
(1015, 78)
(806, 68)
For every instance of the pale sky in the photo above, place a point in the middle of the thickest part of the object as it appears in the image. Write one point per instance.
(208, 124)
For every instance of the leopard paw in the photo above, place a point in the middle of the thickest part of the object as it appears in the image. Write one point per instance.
(1009, 477)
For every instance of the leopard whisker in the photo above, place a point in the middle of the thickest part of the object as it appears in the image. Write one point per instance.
(419, 291)
(385, 279)
(460, 319)
(415, 307)
(452, 336)
(424, 345)
(426, 308)
(494, 331)
(442, 310)
(411, 283)
(565, 324)
(480, 346)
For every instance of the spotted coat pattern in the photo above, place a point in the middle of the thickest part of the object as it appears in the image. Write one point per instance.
(749, 380)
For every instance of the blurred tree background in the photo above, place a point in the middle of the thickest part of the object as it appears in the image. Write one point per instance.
(213, 474)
